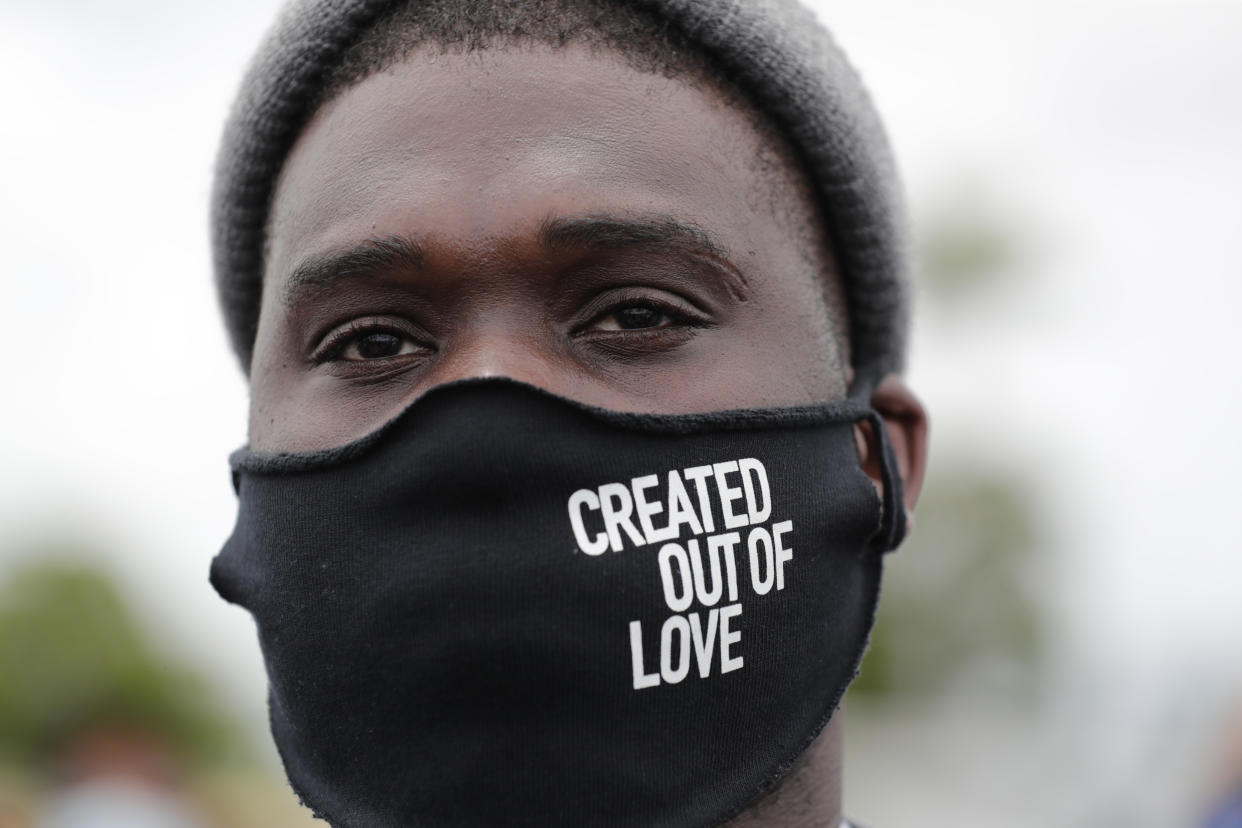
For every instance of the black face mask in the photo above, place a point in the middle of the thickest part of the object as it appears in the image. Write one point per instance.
(507, 608)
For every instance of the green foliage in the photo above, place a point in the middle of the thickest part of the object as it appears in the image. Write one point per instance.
(956, 593)
(72, 657)
(968, 244)
(960, 256)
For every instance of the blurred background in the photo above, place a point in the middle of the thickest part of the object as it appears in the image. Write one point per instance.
(1059, 644)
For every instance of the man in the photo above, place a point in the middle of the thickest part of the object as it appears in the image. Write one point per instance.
(428, 212)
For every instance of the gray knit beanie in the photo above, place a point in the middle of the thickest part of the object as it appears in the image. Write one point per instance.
(773, 50)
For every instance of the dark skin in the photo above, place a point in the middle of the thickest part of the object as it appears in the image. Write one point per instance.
(561, 218)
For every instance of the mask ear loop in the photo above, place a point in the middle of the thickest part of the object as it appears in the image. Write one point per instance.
(893, 510)
(893, 513)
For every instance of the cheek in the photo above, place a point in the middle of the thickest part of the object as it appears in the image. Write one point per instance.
(302, 413)
(790, 326)
(771, 352)
(290, 408)
(785, 358)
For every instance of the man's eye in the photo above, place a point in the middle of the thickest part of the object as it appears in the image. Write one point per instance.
(633, 318)
(368, 345)
(378, 346)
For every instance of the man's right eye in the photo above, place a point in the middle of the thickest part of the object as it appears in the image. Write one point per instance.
(369, 341)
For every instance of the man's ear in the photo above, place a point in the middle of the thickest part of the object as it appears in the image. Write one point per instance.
(906, 424)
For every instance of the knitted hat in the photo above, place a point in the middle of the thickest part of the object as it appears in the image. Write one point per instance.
(773, 50)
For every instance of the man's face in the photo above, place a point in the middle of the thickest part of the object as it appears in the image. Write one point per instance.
(553, 216)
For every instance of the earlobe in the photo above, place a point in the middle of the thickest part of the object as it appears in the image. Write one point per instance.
(905, 420)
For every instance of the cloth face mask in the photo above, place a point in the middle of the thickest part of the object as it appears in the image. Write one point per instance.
(508, 608)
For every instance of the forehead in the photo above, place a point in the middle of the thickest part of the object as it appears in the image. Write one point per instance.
(473, 147)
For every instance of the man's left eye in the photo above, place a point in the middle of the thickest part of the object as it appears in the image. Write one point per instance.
(633, 318)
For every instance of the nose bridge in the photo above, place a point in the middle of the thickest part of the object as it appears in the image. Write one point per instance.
(495, 348)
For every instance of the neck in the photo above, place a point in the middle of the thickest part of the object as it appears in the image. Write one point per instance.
(810, 794)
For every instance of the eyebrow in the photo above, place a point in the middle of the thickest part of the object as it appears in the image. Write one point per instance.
(387, 254)
(602, 231)
(371, 257)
